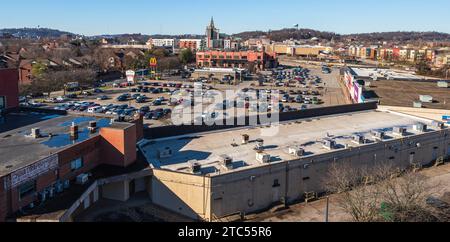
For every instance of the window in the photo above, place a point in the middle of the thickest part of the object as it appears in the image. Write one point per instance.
(221, 57)
(214, 57)
(207, 56)
(229, 57)
(27, 189)
(306, 178)
(76, 164)
(2, 102)
(276, 183)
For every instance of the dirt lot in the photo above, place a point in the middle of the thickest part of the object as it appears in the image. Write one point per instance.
(404, 93)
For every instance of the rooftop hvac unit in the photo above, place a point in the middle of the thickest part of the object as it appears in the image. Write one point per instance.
(358, 139)
(399, 131)
(259, 145)
(195, 167)
(263, 158)
(82, 179)
(420, 127)
(226, 161)
(377, 134)
(245, 139)
(437, 124)
(36, 133)
(417, 104)
(329, 144)
(296, 151)
(92, 126)
(165, 153)
(426, 98)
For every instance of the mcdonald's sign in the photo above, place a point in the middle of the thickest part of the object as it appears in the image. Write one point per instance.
(153, 62)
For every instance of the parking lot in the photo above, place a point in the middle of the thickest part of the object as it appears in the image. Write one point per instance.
(299, 88)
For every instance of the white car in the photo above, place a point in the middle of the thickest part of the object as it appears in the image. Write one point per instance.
(97, 109)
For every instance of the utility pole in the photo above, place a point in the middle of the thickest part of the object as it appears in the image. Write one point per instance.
(327, 210)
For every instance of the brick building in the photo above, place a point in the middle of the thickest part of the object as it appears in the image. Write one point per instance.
(236, 59)
(193, 44)
(9, 89)
(36, 167)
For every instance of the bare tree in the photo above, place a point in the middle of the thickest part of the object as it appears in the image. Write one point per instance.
(362, 192)
(356, 197)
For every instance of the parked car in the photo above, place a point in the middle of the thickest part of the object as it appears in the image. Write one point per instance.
(103, 97)
(96, 109)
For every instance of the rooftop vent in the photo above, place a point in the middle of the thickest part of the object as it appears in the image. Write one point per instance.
(36, 133)
(420, 127)
(259, 145)
(92, 126)
(165, 153)
(329, 144)
(379, 135)
(73, 130)
(195, 167)
(437, 124)
(263, 157)
(358, 139)
(399, 131)
(296, 151)
(226, 161)
(245, 139)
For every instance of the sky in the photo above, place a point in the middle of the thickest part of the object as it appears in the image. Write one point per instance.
(95, 17)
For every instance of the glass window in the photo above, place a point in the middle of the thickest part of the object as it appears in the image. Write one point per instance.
(27, 189)
(2, 102)
(76, 164)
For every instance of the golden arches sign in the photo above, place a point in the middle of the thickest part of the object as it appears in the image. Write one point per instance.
(153, 62)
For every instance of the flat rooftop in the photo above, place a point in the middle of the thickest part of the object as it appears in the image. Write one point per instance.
(385, 73)
(18, 149)
(309, 134)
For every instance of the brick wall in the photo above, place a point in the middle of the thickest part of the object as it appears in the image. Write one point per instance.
(9, 87)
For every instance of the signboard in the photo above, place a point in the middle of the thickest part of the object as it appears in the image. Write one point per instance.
(33, 171)
(153, 62)
(130, 75)
(446, 118)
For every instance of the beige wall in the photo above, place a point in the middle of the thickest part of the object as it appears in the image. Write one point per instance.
(253, 190)
(182, 193)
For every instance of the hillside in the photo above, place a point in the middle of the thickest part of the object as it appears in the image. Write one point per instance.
(283, 34)
(33, 33)
(400, 36)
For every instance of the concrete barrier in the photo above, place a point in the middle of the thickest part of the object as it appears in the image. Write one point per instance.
(173, 130)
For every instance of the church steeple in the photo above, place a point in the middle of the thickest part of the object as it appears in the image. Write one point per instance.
(212, 22)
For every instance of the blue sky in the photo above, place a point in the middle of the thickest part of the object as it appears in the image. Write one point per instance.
(92, 17)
